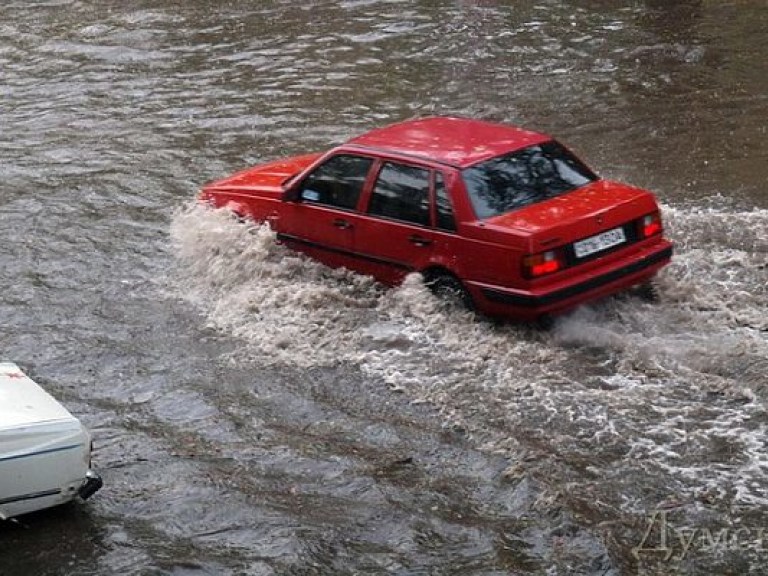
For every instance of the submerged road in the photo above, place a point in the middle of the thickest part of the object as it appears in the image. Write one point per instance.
(256, 413)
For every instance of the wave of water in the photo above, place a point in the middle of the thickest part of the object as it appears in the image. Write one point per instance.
(666, 400)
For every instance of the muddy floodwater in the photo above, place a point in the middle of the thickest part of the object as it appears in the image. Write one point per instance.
(255, 413)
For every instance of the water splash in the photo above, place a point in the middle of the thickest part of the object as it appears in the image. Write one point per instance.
(665, 399)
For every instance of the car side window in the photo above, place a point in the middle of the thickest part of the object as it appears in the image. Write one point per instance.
(337, 182)
(402, 193)
(444, 210)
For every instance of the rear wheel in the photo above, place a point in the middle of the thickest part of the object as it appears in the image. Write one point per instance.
(544, 322)
(450, 290)
(647, 292)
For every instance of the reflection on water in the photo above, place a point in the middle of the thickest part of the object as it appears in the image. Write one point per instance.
(255, 413)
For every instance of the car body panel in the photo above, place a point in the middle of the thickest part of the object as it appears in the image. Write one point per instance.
(326, 234)
(268, 177)
(392, 248)
(456, 142)
(571, 290)
(600, 199)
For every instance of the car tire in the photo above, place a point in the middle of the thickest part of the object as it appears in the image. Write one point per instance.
(544, 322)
(647, 292)
(450, 290)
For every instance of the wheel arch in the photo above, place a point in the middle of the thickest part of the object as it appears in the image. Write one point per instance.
(435, 270)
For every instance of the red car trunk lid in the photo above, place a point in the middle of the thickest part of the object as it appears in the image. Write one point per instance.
(594, 208)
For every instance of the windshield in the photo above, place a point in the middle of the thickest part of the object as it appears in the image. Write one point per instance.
(524, 177)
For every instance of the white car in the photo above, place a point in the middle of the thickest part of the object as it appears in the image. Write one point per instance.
(45, 452)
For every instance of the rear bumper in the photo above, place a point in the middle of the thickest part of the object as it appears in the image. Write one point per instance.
(52, 493)
(529, 304)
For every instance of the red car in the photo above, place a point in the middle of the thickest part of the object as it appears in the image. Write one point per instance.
(508, 219)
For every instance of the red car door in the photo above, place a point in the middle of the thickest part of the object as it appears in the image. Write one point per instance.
(322, 220)
(395, 234)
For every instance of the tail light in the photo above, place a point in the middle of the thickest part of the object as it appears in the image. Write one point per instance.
(542, 264)
(650, 225)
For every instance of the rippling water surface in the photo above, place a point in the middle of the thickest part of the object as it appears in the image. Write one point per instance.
(256, 413)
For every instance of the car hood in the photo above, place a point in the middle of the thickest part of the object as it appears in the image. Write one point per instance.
(269, 176)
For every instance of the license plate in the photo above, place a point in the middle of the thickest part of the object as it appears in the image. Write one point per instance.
(599, 243)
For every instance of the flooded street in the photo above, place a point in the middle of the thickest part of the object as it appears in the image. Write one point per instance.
(256, 413)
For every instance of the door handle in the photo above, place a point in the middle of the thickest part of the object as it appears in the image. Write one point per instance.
(342, 224)
(419, 240)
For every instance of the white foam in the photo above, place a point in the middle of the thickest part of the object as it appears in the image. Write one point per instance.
(677, 371)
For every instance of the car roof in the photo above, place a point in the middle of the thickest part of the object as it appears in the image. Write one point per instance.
(459, 142)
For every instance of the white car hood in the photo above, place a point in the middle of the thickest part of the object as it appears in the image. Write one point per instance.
(23, 403)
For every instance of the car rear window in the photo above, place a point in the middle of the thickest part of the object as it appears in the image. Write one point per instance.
(524, 177)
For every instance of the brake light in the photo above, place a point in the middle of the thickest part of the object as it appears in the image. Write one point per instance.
(650, 225)
(541, 264)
